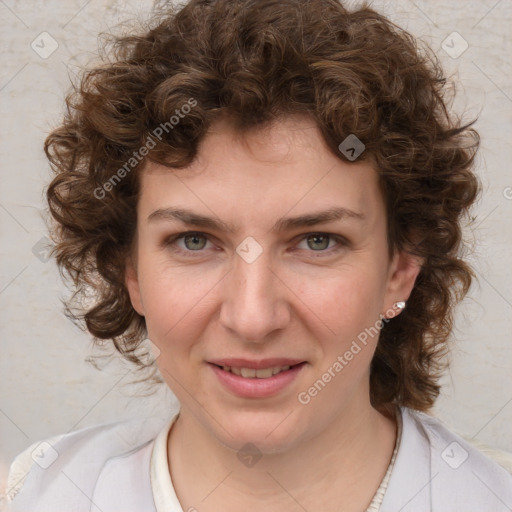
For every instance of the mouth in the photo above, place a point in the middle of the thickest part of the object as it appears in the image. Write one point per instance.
(263, 382)
(257, 373)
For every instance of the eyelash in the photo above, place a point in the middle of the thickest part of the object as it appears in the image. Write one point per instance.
(171, 241)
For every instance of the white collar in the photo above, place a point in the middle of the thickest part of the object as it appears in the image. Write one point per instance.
(164, 493)
(421, 479)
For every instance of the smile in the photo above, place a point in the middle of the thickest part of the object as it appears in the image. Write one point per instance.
(253, 373)
(256, 382)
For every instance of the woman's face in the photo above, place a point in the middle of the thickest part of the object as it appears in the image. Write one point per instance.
(263, 285)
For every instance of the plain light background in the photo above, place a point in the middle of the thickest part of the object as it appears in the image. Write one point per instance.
(47, 388)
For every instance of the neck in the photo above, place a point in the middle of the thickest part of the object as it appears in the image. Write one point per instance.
(346, 461)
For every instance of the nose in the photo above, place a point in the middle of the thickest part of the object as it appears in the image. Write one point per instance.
(255, 300)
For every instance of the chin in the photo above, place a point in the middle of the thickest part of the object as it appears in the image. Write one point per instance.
(270, 432)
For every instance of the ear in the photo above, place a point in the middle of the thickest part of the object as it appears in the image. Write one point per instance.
(403, 271)
(131, 281)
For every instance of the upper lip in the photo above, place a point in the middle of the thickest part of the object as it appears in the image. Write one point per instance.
(237, 362)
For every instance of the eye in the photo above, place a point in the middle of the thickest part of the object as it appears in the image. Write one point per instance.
(321, 242)
(192, 242)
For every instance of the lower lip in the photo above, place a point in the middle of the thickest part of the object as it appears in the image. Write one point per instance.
(257, 388)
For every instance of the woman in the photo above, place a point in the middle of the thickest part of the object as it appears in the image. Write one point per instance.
(273, 193)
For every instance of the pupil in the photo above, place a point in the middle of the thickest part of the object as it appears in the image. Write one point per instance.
(317, 240)
(194, 238)
(321, 241)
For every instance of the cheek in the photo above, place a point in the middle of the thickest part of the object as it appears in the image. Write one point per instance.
(345, 304)
(347, 307)
(344, 298)
(174, 303)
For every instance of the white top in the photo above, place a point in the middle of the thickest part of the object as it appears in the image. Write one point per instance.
(165, 495)
(123, 467)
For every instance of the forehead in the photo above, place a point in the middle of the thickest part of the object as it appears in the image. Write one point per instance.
(286, 166)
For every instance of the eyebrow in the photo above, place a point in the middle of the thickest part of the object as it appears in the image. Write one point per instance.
(283, 224)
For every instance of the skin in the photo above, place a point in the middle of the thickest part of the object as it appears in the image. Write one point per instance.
(299, 298)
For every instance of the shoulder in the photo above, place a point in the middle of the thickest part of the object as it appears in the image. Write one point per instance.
(461, 471)
(70, 464)
(439, 433)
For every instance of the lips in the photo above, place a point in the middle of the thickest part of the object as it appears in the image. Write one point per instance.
(254, 386)
(253, 373)
(237, 362)
(253, 369)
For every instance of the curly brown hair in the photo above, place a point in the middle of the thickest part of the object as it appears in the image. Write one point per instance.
(257, 60)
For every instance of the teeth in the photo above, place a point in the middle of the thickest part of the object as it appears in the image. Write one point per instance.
(252, 373)
(248, 372)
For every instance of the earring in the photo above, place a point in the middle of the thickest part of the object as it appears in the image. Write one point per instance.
(400, 305)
